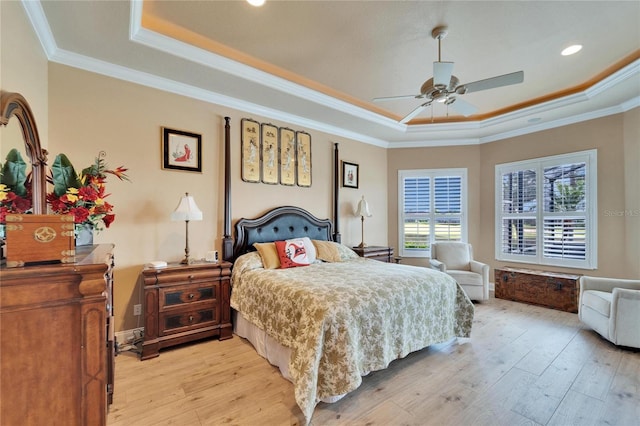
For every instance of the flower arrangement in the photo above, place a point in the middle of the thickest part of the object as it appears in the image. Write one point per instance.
(83, 195)
(15, 186)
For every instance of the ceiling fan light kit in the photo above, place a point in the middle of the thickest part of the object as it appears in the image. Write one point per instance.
(443, 86)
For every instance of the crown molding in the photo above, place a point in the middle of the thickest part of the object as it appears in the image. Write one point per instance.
(430, 135)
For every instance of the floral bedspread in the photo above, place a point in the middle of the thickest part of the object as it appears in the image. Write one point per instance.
(343, 320)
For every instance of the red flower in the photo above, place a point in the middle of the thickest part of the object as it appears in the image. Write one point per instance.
(22, 204)
(79, 213)
(108, 219)
(3, 214)
(88, 193)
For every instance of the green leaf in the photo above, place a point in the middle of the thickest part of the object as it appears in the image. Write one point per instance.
(64, 175)
(14, 173)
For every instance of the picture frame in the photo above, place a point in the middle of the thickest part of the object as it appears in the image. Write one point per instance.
(350, 175)
(287, 157)
(250, 157)
(269, 153)
(303, 159)
(181, 150)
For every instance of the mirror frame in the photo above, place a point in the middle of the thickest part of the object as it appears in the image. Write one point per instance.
(14, 104)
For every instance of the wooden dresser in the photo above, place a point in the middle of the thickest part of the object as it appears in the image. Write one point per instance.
(184, 303)
(550, 289)
(54, 337)
(381, 253)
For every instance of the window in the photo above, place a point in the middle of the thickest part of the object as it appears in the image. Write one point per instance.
(546, 211)
(432, 207)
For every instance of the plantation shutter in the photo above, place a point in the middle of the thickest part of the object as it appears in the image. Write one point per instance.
(416, 213)
(432, 204)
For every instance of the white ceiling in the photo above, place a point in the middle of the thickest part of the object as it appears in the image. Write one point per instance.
(319, 64)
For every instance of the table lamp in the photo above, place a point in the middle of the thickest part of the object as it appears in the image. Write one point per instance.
(362, 211)
(187, 210)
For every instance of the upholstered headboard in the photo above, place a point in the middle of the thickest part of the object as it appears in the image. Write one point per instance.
(281, 223)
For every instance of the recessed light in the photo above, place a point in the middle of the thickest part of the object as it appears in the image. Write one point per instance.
(571, 50)
(256, 3)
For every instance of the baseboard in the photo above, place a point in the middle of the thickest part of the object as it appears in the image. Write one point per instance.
(129, 336)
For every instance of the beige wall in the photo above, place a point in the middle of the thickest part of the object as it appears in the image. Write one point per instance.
(23, 66)
(89, 113)
(631, 135)
(616, 140)
(435, 158)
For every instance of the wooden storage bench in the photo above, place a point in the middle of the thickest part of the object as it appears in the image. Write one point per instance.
(550, 289)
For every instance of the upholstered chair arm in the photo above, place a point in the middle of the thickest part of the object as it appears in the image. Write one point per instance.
(436, 264)
(624, 324)
(606, 284)
(482, 269)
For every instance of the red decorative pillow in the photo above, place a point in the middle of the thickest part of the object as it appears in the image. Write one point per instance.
(292, 253)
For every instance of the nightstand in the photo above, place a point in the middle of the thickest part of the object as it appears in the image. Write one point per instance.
(184, 303)
(383, 254)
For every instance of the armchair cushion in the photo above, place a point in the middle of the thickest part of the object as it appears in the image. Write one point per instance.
(455, 256)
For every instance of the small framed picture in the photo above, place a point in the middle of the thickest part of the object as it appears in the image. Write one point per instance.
(269, 154)
(287, 157)
(181, 150)
(350, 175)
(250, 170)
(303, 158)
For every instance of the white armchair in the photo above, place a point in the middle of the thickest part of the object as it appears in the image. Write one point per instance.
(611, 307)
(456, 259)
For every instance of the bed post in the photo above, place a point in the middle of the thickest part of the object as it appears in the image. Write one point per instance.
(227, 241)
(336, 189)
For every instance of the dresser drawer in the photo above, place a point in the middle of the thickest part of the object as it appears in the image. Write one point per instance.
(179, 321)
(193, 294)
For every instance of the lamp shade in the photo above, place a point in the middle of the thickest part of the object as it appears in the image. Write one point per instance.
(363, 208)
(187, 209)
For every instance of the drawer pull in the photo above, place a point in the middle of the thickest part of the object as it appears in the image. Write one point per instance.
(191, 296)
(191, 277)
(190, 318)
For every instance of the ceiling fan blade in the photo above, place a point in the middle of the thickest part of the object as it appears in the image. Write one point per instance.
(442, 73)
(392, 98)
(415, 112)
(492, 83)
(464, 108)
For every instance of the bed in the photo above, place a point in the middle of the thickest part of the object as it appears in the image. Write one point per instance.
(329, 323)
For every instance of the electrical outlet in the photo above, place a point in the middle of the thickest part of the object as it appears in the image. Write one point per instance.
(137, 309)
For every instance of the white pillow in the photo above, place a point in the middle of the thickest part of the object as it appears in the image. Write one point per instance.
(308, 247)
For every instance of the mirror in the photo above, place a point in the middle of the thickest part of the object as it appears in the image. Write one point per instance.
(14, 105)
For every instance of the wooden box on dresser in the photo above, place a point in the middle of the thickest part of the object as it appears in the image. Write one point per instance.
(381, 253)
(54, 340)
(544, 288)
(184, 303)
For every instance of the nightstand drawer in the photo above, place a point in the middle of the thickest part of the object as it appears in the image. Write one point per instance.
(178, 277)
(179, 296)
(176, 322)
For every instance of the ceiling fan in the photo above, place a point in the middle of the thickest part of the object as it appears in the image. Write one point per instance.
(444, 86)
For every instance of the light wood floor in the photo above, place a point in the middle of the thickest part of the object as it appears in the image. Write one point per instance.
(523, 365)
